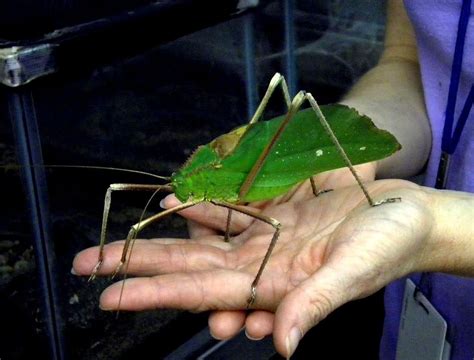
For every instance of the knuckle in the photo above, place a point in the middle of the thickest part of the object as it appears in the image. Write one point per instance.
(320, 304)
(320, 307)
(199, 304)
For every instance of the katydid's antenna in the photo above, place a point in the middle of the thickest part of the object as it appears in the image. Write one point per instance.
(89, 167)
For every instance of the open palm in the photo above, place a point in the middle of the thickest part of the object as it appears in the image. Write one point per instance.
(332, 249)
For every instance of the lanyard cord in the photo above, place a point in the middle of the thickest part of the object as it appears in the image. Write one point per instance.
(451, 140)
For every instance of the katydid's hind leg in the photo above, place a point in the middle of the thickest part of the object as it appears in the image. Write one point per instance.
(105, 216)
(268, 220)
(277, 80)
(135, 229)
(341, 151)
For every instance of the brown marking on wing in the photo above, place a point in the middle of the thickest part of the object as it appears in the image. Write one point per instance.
(225, 144)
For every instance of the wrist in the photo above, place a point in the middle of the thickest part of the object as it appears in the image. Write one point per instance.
(450, 243)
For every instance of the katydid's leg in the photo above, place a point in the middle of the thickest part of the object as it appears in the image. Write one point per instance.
(266, 219)
(132, 234)
(227, 227)
(298, 100)
(105, 216)
(295, 106)
(339, 148)
(277, 80)
(257, 166)
(317, 192)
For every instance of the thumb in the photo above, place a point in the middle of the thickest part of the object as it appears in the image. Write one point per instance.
(309, 303)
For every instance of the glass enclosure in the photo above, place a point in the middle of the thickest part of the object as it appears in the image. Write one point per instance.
(149, 112)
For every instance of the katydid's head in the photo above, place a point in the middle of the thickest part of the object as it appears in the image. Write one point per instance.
(185, 188)
(191, 181)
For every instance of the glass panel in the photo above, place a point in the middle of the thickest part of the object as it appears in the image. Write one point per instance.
(149, 113)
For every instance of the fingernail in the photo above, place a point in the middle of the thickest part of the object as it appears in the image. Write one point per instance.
(162, 204)
(292, 341)
(252, 338)
(214, 336)
(73, 271)
(103, 307)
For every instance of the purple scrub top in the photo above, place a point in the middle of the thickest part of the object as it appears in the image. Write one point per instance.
(436, 28)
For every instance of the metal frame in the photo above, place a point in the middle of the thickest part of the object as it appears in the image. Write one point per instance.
(28, 145)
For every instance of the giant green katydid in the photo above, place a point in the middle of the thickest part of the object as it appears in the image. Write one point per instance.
(265, 159)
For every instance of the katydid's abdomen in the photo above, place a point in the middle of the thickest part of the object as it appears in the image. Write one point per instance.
(216, 171)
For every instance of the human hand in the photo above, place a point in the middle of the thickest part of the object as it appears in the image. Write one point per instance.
(206, 219)
(332, 249)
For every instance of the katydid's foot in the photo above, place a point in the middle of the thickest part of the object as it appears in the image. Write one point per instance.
(117, 270)
(387, 201)
(253, 295)
(95, 270)
(317, 192)
(320, 192)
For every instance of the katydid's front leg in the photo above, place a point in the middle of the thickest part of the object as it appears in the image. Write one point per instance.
(105, 216)
(135, 229)
(132, 235)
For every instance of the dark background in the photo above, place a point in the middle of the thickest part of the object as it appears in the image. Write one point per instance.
(148, 112)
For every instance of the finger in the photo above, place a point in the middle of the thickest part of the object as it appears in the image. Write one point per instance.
(209, 215)
(307, 305)
(207, 290)
(226, 324)
(153, 257)
(259, 324)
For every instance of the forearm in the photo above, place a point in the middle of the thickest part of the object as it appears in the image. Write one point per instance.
(391, 94)
(450, 246)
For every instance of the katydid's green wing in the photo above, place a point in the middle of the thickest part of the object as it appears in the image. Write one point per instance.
(305, 149)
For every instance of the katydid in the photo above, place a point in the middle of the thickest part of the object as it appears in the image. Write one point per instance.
(265, 159)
